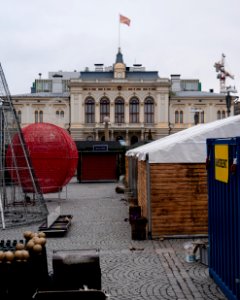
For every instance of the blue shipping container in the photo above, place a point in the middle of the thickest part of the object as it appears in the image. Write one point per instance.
(223, 165)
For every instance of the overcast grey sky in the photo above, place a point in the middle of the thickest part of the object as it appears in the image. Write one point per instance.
(169, 36)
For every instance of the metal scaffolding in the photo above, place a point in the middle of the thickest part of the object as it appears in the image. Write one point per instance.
(21, 200)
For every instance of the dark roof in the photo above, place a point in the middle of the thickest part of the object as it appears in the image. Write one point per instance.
(89, 145)
(96, 75)
(108, 75)
(145, 75)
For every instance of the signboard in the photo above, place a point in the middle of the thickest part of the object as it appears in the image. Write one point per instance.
(221, 163)
(100, 147)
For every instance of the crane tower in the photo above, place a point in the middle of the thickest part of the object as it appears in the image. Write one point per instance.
(223, 74)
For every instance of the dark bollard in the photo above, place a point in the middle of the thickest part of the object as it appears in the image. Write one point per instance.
(134, 213)
(139, 229)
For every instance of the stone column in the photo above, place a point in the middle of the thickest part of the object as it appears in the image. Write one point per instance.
(96, 135)
(97, 112)
(106, 127)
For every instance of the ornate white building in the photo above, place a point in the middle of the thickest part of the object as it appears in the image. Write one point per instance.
(139, 104)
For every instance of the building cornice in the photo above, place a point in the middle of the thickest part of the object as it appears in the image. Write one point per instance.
(119, 82)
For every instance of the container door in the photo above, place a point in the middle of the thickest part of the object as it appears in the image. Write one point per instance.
(99, 167)
(224, 214)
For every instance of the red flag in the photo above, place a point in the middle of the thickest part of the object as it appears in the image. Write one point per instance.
(124, 20)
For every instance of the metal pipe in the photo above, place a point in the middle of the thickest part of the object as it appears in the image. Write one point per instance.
(2, 214)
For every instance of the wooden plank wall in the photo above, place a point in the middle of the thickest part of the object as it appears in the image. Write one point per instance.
(142, 186)
(178, 198)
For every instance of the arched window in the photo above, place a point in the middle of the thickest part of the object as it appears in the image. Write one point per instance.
(104, 109)
(41, 116)
(196, 117)
(202, 117)
(176, 116)
(119, 110)
(181, 117)
(19, 114)
(38, 116)
(221, 114)
(134, 110)
(59, 115)
(149, 110)
(89, 110)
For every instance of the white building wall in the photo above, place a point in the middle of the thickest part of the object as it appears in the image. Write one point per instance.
(75, 109)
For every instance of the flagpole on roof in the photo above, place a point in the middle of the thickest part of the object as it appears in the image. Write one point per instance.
(123, 20)
(119, 22)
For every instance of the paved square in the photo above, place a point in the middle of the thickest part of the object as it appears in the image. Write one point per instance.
(131, 270)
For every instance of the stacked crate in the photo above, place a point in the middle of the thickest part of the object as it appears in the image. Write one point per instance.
(23, 267)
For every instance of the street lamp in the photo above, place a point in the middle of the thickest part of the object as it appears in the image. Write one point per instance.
(228, 103)
(106, 122)
(228, 98)
(196, 112)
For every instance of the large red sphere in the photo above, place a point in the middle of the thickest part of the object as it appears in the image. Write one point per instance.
(53, 155)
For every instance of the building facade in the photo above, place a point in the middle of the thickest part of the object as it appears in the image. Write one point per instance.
(133, 104)
(189, 105)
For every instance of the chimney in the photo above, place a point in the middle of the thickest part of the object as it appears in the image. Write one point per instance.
(98, 67)
(176, 83)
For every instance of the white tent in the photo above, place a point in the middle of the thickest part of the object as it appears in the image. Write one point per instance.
(189, 145)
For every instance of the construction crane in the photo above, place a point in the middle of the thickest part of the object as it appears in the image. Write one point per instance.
(222, 75)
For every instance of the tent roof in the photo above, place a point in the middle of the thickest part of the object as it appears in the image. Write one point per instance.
(189, 145)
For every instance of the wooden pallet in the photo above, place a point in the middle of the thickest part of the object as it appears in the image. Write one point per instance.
(59, 227)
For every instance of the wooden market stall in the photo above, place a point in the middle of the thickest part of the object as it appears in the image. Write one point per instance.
(100, 161)
(171, 179)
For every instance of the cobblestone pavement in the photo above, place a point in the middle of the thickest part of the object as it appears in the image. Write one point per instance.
(131, 270)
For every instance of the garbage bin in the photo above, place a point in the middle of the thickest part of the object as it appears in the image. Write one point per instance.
(138, 227)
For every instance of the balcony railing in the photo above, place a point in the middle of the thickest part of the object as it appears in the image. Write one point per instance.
(119, 125)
